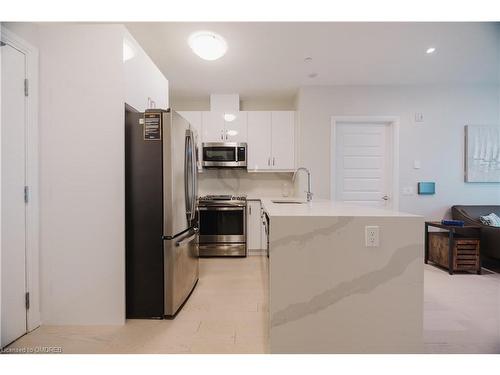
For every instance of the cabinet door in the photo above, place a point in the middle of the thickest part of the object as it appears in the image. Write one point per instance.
(194, 118)
(283, 134)
(236, 130)
(212, 127)
(253, 225)
(259, 140)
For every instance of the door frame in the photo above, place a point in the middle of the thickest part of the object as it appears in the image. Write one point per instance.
(393, 122)
(32, 180)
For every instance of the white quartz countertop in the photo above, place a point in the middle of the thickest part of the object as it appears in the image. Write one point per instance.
(322, 207)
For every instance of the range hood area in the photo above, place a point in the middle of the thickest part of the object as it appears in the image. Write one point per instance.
(255, 140)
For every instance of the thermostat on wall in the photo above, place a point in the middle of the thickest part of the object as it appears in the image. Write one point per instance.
(426, 188)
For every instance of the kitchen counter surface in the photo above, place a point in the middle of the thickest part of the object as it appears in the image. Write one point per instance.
(322, 207)
(330, 292)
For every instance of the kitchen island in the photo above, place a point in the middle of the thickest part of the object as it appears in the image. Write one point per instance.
(330, 293)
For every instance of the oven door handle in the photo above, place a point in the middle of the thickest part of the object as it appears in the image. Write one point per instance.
(216, 208)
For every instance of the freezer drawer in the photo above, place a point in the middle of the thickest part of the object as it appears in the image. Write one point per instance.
(181, 269)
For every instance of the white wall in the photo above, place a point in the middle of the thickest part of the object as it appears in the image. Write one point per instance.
(81, 172)
(202, 103)
(437, 143)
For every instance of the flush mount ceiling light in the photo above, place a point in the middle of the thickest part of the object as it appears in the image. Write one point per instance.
(207, 45)
(229, 117)
(430, 50)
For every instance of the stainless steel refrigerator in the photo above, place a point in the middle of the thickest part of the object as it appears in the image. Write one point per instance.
(160, 213)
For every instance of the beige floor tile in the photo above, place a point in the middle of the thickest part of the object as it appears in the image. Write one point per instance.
(229, 313)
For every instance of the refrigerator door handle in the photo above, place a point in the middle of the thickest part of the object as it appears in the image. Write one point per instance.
(195, 176)
(187, 173)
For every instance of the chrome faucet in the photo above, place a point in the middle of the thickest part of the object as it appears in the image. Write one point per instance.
(309, 193)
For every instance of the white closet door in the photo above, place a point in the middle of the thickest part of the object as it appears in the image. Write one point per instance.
(13, 248)
(259, 140)
(362, 163)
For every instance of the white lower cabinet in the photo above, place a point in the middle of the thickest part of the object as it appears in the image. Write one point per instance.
(254, 226)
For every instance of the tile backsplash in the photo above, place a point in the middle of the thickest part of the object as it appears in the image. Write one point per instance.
(237, 181)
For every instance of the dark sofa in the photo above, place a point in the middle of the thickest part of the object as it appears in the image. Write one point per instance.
(490, 236)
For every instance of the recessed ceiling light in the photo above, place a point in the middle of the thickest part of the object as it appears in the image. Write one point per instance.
(207, 45)
(430, 50)
(308, 59)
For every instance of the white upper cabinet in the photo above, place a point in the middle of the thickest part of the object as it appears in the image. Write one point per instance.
(217, 129)
(271, 140)
(236, 129)
(145, 85)
(282, 138)
(259, 140)
(194, 118)
(212, 127)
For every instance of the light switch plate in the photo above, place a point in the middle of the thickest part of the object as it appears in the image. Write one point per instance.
(372, 236)
(419, 117)
(416, 164)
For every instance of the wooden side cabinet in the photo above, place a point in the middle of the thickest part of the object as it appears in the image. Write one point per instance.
(457, 249)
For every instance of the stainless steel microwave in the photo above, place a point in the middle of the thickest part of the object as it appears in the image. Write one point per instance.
(224, 155)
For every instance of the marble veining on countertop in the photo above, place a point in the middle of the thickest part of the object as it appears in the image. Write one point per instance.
(323, 207)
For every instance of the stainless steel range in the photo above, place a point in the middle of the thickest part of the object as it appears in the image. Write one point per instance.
(222, 220)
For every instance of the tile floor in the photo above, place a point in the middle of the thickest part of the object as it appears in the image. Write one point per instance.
(227, 313)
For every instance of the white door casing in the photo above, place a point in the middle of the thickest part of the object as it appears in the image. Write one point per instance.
(32, 318)
(13, 206)
(364, 167)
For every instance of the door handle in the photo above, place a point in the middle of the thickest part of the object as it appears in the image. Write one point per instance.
(249, 210)
(273, 160)
(269, 161)
(186, 240)
(385, 198)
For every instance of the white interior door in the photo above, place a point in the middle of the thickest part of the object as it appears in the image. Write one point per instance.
(363, 171)
(13, 260)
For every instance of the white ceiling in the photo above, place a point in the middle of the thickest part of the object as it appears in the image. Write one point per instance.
(267, 59)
